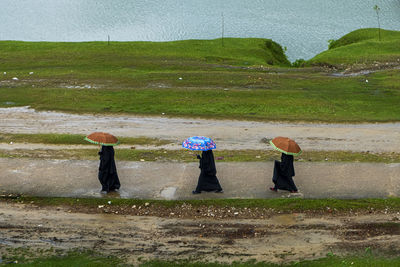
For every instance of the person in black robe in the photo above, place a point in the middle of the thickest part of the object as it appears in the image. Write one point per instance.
(208, 180)
(283, 173)
(108, 176)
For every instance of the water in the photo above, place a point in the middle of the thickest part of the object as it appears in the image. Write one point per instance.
(304, 27)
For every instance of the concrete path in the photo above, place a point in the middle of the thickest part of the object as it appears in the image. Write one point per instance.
(228, 134)
(152, 180)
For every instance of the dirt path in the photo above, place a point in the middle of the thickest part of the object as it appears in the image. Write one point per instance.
(279, 238)
(382, 137)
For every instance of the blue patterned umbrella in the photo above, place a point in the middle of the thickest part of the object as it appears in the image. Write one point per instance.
(199, 143)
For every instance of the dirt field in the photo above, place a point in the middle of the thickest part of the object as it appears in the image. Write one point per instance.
(266, 237)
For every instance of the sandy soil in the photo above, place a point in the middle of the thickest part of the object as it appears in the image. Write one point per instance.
(376, 137)
(277, 238)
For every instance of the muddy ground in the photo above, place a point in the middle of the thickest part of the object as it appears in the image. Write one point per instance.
(265, 236)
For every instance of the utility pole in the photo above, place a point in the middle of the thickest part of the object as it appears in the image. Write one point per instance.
(377, 10)
(223, 28)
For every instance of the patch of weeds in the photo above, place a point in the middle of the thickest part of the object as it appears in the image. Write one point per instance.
(189, 156)
(78, 258)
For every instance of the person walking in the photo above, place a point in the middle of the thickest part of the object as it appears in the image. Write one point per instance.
(284, 169)
(108, 175)
(283, 173)
(208, 180)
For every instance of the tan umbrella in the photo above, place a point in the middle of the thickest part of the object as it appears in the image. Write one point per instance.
(101, 138)
(286, 145)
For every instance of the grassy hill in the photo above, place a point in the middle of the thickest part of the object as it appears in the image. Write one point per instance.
(193, 78)
(362, 46)
(96, 59)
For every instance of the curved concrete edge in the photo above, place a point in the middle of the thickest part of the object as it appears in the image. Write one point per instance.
(155, 180)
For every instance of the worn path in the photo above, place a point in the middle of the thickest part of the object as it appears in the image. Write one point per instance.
(154, 180)
(374, 137)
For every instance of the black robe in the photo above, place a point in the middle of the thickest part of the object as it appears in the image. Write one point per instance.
(208, 180)
(108, 176)
(283, 173)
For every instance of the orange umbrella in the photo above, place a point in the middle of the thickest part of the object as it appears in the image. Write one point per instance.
(286, 145)
(104, 139)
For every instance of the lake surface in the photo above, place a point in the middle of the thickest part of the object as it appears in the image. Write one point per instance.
(303, 26)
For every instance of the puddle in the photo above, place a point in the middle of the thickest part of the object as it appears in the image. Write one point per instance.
(352, 74)
(286, 219)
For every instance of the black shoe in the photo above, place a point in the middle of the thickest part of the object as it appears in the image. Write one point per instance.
(219, 191)
(194, 192)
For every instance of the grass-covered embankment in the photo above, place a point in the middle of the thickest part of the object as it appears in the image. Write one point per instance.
(362, 47)
(300, 96)
(86, 259)
(130, 60)
(194, 78)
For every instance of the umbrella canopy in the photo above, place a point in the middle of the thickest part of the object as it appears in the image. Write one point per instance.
(286, 145)
(104, 139)
(199, 143)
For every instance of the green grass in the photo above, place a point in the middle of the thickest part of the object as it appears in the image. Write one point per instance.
(362, 46)
(89, 259)
(216, 82)
(181, 155)
(73, 139)
(278, 205)
(128, 60)
(300, 96)
(359, 261)
(73, 258)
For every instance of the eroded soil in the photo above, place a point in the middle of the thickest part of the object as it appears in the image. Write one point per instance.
(270, 237)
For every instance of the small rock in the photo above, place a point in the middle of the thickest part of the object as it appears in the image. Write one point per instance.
(236, 213)
(109, 202)
(366, 81)
(132, 147)
(11, 143)
(180, 78)
(4, 73)
(134, 207)
(15, 78)
(142, 160)
(30, 73)
(147, 204)
(100, 206)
